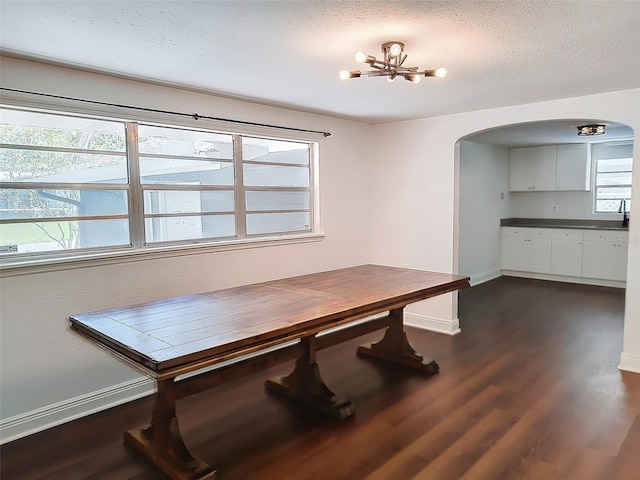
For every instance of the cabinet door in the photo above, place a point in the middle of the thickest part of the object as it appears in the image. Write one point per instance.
(566, 257)
(573, 167)
(513, 253)
(532, 168)
(538, 255)
(606, 260)
(526, 254)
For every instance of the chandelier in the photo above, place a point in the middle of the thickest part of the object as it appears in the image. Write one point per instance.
(587, 130)
(391, 66)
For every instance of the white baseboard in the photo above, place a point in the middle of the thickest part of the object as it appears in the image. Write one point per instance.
(40, 419)
(478, 278)
(439, 325)
(629, 363)
(564, 278)
(37, 420)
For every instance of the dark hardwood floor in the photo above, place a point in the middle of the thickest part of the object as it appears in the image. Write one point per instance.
(528, 390)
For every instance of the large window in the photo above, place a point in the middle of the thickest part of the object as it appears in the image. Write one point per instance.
(71, 184)
(613, 184)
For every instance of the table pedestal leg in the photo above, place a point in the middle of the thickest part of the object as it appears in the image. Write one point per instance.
(305, 384)
(162, 442)
(394, 347)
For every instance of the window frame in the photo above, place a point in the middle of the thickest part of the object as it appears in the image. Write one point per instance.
(11, 263)
(595, 184)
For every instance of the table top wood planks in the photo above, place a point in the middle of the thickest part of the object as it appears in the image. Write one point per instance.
(255, 327)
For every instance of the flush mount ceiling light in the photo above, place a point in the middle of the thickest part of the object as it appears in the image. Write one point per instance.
(587, 130)
(391, 66)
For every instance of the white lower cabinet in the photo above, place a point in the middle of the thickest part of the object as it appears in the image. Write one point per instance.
(605, 255)
(566, 252)
(527, 250)
(593, 254)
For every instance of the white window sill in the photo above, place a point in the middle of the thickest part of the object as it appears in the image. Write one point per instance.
(24, 266)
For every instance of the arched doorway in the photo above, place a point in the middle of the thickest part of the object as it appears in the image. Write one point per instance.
(485, 200)
(485, 197)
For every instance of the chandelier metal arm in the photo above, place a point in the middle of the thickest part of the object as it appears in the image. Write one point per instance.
(381, 72)
(381, 64)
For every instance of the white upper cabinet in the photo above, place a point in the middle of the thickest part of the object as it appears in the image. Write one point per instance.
(532, 168)
(550, 168)
(573, 167)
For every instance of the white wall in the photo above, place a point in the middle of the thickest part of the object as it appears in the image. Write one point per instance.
(398, 212)
(569, 205)
(483, 200)
(48, 372)
(416, 222)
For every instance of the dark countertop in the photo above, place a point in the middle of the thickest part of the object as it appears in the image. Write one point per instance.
(563, 223)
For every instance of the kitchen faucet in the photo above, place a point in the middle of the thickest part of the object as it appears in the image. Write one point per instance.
(623, 211)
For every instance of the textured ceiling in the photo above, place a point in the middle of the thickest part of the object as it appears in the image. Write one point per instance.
(288, 53)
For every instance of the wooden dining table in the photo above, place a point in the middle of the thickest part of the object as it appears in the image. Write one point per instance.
(225, 334)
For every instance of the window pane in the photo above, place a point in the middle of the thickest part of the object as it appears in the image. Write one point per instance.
(187, 201)
(614, 165)
(260, 200)
(275, 176)
(265, 150)
(189, 143)
(613, 184)
(18, 165)
(61, 203)
(45, 130)
(613, 192)
(258, 223)
(619, 178)
(195, 227)
(185, 172)
(63, 235)
(610, 205)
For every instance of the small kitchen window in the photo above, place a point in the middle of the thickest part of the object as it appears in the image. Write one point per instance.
(613, 185)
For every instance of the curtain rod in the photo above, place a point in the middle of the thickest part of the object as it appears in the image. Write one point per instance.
(195, 116)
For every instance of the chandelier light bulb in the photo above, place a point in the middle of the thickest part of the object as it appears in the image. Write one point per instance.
(414, 78)
(390, 79)
(441, 72)
(395, 50)
(361, 57)
(344, 74)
